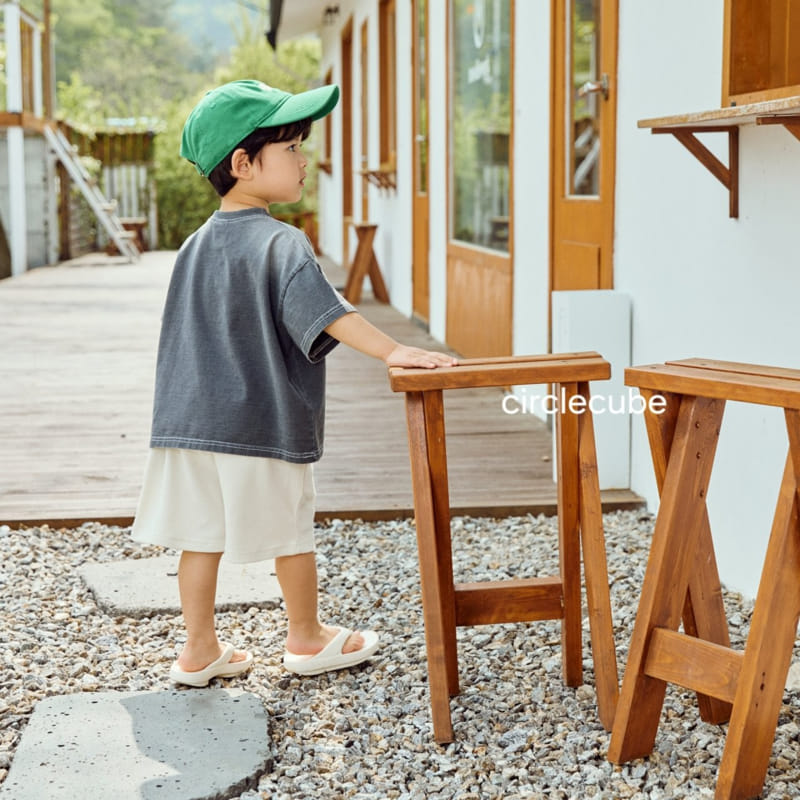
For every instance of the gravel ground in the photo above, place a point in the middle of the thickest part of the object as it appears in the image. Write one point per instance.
(366, 733)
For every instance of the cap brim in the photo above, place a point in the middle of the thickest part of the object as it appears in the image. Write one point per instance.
(313, 104)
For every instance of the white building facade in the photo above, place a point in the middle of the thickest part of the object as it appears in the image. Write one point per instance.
(548, 183)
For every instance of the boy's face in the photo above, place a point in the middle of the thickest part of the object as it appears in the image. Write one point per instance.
(279, 171)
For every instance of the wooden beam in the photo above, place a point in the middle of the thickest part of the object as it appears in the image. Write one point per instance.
(727, 176)
(709, 668)
(790, 121)
(521, 600)
(21, 119)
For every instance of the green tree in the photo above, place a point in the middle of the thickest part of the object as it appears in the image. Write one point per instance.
(141, 60)
(185, 199)
(129, 55)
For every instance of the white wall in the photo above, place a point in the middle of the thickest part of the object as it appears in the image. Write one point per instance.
(437, 159)
(532, 177)
(40, 201)
(703, 284)
(392, 210)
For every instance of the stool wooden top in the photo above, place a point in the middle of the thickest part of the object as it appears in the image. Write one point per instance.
(723, 380)
(503, 371)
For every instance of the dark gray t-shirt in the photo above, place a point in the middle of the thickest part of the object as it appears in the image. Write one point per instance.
(241, 356)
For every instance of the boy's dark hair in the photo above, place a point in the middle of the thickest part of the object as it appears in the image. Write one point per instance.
(221, 178)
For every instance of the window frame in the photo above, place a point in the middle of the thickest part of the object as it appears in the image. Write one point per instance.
(739, 53)
(387, 32)
(325, 162)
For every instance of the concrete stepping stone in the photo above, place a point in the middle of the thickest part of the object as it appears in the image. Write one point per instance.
(141, 587)
(196, 744)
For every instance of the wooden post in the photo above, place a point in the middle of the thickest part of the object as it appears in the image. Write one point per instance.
(37, 77)
(47, 63)
(17, 218)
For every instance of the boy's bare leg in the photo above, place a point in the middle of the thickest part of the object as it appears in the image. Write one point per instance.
(297, 576)
(197, 582)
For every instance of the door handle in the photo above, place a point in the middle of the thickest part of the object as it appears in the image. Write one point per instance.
(595, 87)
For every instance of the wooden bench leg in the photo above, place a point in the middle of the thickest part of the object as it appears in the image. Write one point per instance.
(768, 652)
(437, 585)
(595, 569)
(360, 265)
(704, 616)
(569, 536)
(437, 459)
(669, 568)
(376, 279)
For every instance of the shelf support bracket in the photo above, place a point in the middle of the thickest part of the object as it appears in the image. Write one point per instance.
(790, 121)
(727, 176)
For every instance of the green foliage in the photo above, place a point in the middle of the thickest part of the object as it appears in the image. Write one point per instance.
(136, 61)
(127, 58)
(185, 199)
(81, 104)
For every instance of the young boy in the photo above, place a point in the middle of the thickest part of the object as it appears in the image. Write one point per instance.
(240, 382)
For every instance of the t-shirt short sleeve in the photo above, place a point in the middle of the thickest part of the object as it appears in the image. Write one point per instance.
(308, 305)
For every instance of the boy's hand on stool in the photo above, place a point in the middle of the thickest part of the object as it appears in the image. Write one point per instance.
(353, 330)
(405, 356)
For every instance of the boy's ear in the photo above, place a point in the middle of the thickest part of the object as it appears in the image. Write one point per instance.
(240, 163)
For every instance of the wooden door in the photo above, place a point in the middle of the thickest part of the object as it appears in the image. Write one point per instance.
(584, 142)
(347, 138)
(364, 164)
(421, 291)
(480, 162)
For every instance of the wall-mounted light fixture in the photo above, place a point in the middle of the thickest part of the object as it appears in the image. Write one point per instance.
(330, 15)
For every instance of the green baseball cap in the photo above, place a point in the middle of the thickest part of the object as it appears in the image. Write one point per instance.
(231, 112)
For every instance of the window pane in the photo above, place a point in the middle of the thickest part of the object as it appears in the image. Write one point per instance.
(584, 48)
(764, 46)
(481, 122)
(422, 105)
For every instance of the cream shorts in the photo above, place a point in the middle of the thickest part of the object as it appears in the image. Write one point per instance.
(247, 507)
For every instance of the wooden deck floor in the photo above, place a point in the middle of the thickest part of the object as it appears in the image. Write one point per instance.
(77, 353)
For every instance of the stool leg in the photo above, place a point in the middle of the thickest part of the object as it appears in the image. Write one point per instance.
(568, 536)
(703, 610)
(360, 265)
(767, 654)
(704, 615)
(595, 570)
(669, 568)
(437, 458)
(376, 279)
(434, 603)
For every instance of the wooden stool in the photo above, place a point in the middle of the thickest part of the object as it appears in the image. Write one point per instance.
(580, 522)
(136, 225)
(365, 263)
(682, 580)
(306, 222)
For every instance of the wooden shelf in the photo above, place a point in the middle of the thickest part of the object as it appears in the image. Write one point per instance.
(383, 178)
(785, 111)
(733, 115)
